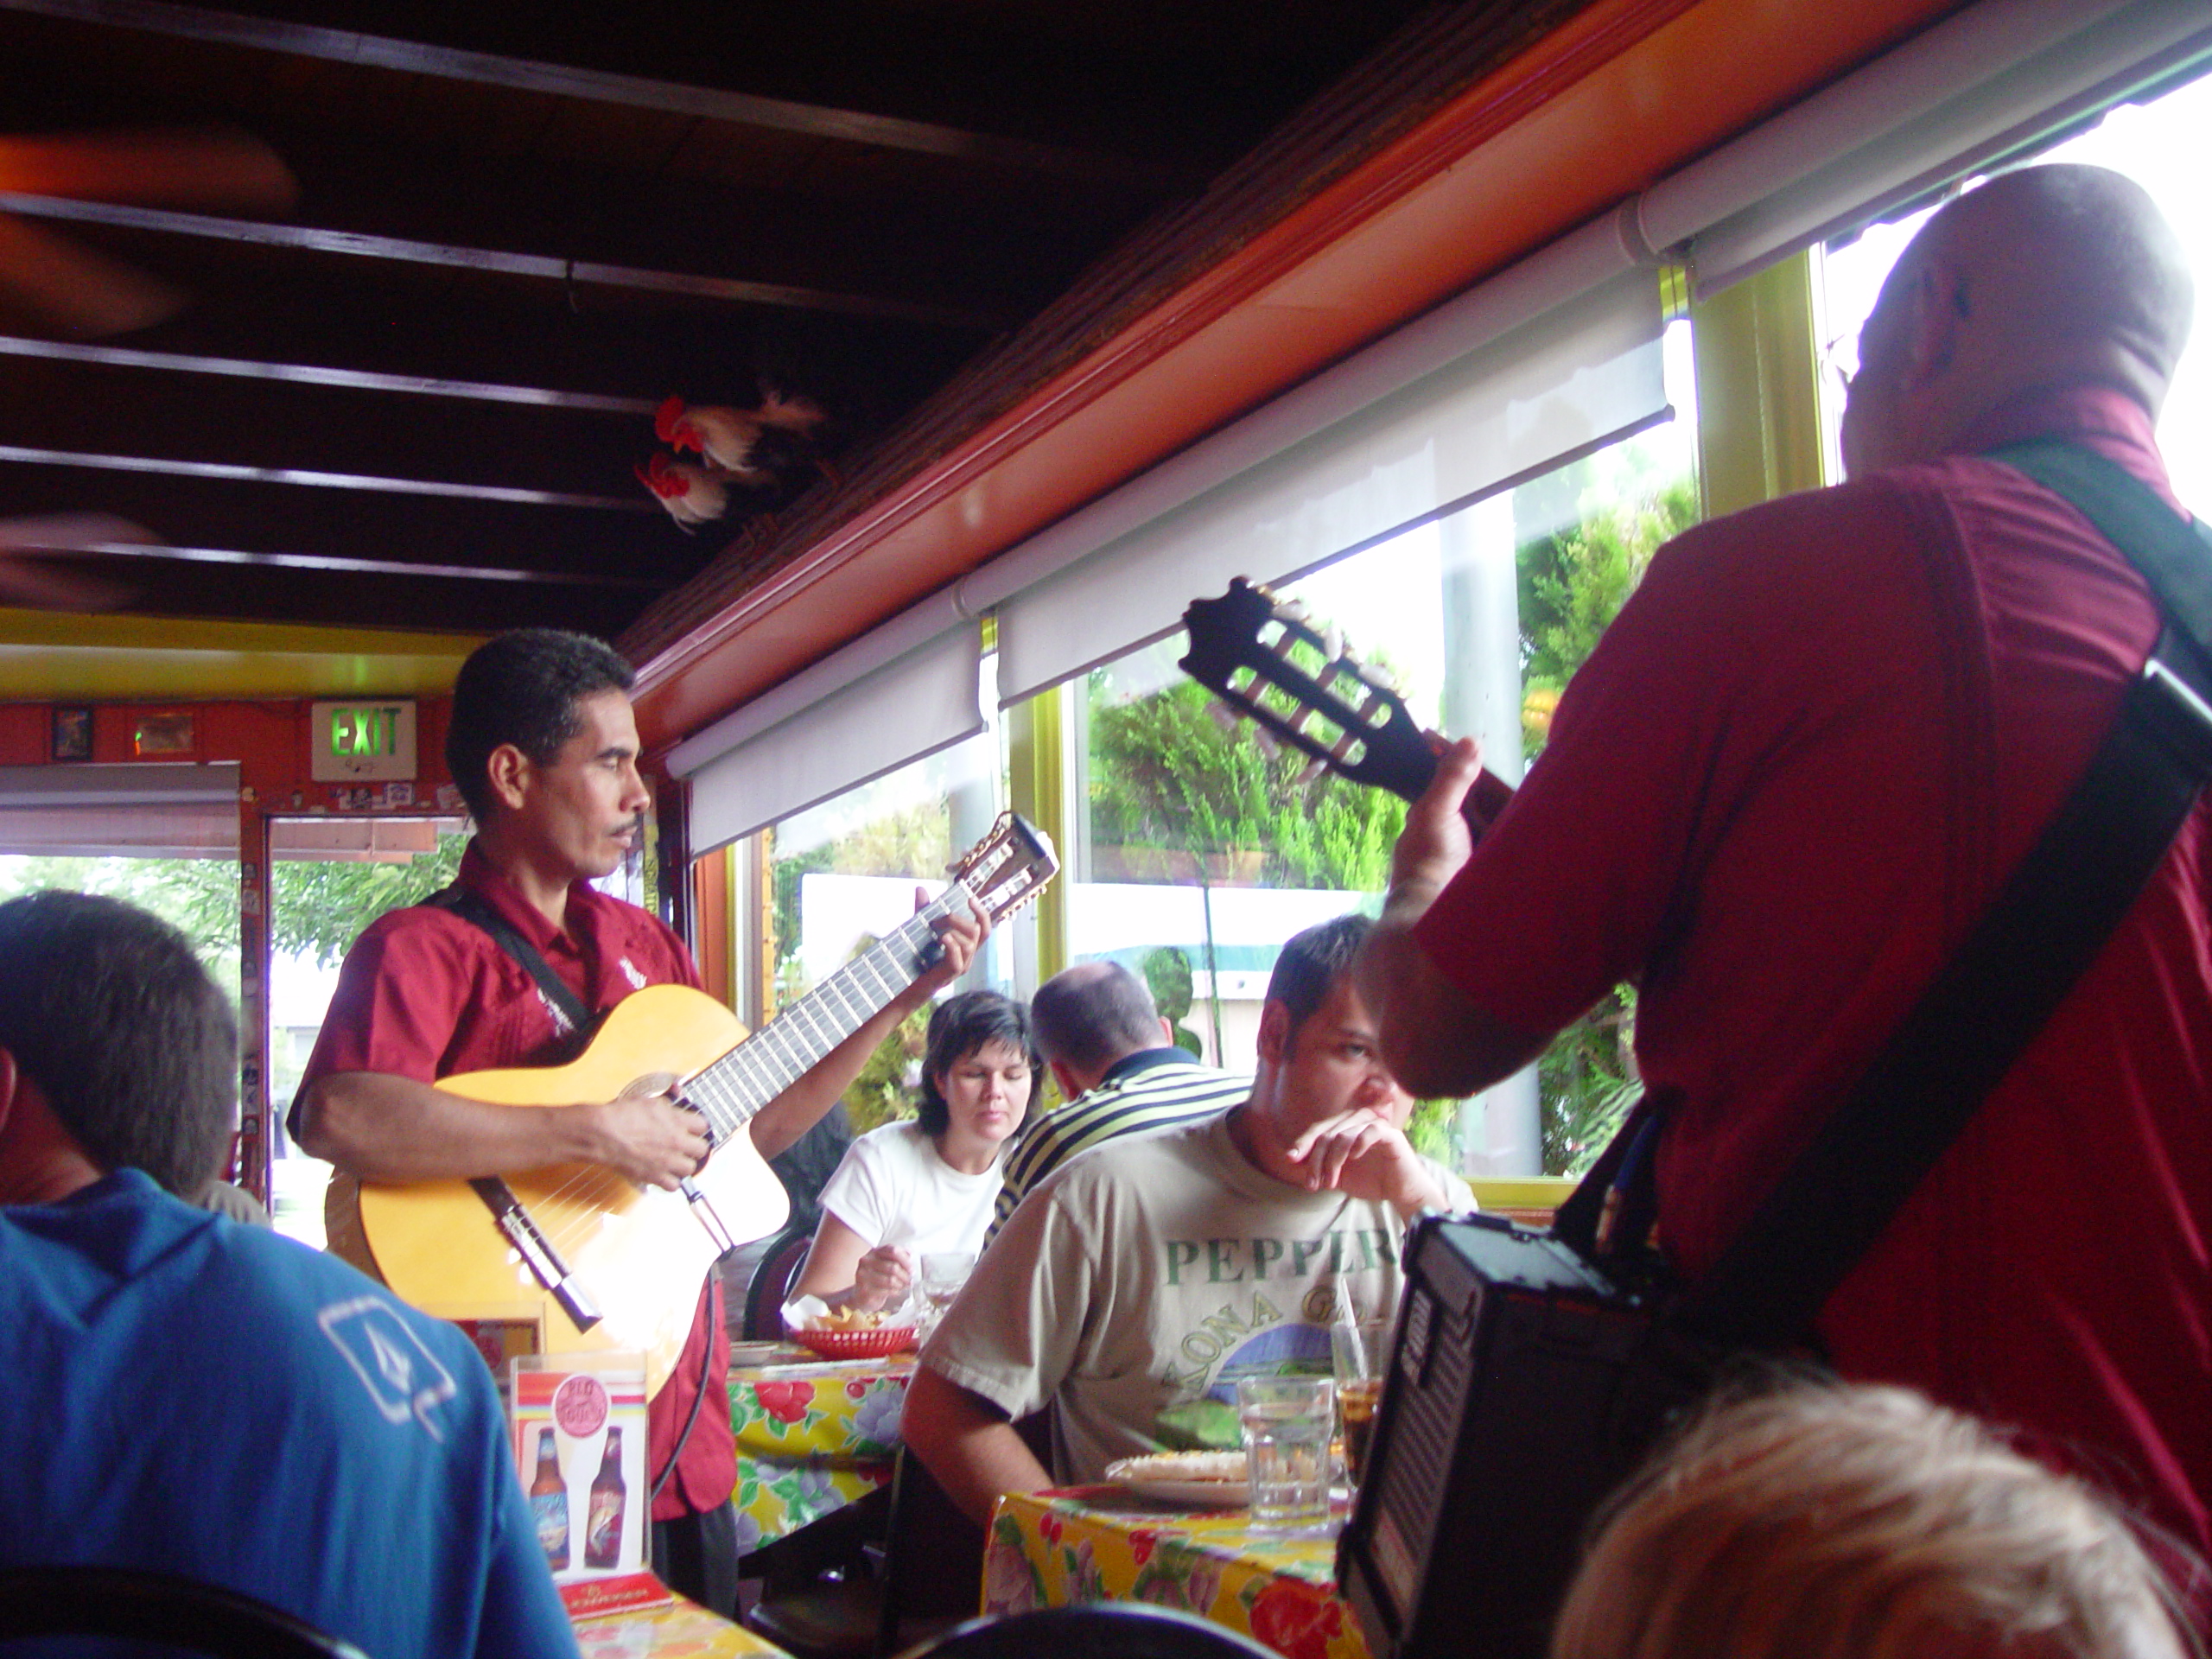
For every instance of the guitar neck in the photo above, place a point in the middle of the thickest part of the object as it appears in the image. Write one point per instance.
(731, 1091)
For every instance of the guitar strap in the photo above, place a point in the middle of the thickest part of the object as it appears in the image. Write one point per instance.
(2048, 924)
(474, 907)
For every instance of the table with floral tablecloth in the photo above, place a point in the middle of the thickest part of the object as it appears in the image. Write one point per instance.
(813, 1435)
(1098, 1543)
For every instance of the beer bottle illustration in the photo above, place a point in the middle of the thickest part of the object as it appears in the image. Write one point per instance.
(603, 1529)
(549, 1504)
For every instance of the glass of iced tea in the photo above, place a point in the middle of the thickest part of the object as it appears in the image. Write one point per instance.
(1362, 1353)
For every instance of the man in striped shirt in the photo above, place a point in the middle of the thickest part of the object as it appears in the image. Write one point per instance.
(1110, 1053)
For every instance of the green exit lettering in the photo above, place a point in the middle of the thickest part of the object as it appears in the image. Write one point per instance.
(365, 731)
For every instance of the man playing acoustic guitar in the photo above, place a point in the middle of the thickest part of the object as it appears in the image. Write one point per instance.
(543, 747)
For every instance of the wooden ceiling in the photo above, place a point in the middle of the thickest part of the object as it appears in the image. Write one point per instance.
(414, 400)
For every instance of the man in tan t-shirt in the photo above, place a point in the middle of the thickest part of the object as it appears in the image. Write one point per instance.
(1153, 1271)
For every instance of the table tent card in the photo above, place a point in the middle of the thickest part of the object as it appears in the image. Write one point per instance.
(579, 1426)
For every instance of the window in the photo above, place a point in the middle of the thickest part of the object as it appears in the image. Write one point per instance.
(843, 873)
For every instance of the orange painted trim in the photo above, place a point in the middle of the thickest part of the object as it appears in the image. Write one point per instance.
(1614, 100)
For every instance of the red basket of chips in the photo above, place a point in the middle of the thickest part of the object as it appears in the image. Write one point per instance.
(863, 1342)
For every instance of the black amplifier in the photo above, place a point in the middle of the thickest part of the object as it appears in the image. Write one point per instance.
(1517, 1398)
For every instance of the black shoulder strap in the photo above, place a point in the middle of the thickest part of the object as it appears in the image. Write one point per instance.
(474, 907)
(2050, 920)
(2173, 556)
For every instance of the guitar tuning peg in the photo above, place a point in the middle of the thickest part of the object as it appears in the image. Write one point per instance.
(1292, 610)
(1333, 640)
(1266, 739)
(1311, 773)
(1222, 715)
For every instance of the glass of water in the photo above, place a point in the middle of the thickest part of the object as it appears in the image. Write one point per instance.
(943, 1274)
(1287, 1423)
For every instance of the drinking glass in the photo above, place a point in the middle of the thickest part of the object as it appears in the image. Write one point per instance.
(1287, 1423)
(1361, 1350)
(943, 1274)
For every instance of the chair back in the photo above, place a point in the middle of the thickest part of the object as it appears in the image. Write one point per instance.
(771, 1284)
(1116, 1630)
(123, 1602)
(933, 1559)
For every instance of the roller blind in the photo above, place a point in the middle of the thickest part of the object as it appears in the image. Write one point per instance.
(148, 809)
(792, 754)
(1533, 382)
(1999, 78)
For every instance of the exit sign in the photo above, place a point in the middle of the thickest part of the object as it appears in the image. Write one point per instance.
(368, 741)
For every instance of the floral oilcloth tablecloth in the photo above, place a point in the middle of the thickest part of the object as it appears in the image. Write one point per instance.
(685, 1631)
(1098, 1543)
(813, 1435)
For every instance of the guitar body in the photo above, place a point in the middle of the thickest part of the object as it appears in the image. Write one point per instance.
(641, 1253)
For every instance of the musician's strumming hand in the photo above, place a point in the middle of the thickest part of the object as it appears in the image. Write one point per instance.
(1436, 841)
(648, 1138)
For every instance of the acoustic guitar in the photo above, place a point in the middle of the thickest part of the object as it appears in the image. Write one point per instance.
(598, 1262)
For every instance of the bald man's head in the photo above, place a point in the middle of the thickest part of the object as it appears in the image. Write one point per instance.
(1092, 1014)
(2044, 277)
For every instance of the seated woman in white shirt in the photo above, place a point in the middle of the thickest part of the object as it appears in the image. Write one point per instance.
(915, 1188)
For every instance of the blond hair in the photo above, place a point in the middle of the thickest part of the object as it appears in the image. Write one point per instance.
(1823, 1521)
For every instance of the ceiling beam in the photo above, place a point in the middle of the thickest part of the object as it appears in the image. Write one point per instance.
(598, 86)
(438, 329)
(351, 565)
(123, 417)
(537, 266)
(369, 530)
(310, 374)
(350, 599)
(310, 478)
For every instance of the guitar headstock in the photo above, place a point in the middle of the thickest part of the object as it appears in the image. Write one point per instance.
(1008, 867)
(1262, 659)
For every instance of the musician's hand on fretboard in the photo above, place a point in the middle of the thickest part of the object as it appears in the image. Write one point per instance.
(1437, 840)
(960, 935)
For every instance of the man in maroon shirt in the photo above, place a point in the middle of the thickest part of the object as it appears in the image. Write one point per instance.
(543, 747)
(1789, 780)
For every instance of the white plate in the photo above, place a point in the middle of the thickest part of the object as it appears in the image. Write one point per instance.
(1199, 1494)
(1146, 1477)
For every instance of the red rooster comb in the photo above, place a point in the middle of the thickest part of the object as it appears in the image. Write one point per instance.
(668, 421)
(656, 476)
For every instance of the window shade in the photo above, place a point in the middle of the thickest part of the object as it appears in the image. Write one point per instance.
(153, 810)
(1997, 79)
(1532, 382)
(918, 704)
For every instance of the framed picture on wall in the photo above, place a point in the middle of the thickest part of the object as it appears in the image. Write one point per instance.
(72, 732)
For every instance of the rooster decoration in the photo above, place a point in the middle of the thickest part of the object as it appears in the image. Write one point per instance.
(757, 450)
(693, 495)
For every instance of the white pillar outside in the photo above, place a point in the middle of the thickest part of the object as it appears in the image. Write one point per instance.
(1501, 1129)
